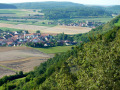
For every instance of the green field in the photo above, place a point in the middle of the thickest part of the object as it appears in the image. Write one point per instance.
(10, 29)
(52, 50)
(29, 22)
(94, 19)
(19, 12)
(8, 11)
(40, 22)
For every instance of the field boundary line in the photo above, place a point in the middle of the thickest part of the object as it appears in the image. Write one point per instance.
(24, 59)
(8, 68)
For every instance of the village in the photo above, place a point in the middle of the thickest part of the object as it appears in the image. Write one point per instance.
(19, 38)
(90, 24)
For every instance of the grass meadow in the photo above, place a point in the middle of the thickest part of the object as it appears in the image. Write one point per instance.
(53, 50)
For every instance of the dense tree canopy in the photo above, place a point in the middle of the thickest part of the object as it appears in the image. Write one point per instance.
(74, 12)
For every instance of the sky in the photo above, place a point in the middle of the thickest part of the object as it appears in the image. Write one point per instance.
(90, 2)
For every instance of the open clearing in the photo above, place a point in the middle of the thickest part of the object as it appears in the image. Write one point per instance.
(14, 59)
(45, 29)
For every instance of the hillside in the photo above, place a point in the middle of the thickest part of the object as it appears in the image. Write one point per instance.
(93, 65)
(7, 6)
(46, 5)
(114, 9)
(98, 30)
(53, 10)
(62, 10)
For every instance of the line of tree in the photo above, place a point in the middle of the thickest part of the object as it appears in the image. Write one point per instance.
(5, 79)
(74, 12)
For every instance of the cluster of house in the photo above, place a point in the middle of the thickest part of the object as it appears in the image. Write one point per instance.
(90, 24)
(16, 39)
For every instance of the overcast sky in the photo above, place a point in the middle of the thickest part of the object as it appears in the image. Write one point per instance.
(91, 2)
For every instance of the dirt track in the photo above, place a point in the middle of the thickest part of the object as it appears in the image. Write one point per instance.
(45, 29)
(20, 58)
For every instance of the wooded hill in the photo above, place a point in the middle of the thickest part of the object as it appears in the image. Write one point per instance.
(7, 6)
(114, 9)
(66, 10)
(94, 65)
(45, 5)
(62, 10)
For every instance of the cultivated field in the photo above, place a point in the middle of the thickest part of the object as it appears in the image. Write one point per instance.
(18, 12)
(14, 59)
(45, 29)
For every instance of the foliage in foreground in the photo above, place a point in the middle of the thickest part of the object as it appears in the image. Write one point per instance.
(93, 65)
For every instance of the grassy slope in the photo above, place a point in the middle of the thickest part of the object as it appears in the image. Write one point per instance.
(118, 23)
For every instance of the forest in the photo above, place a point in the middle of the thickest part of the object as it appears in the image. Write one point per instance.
(75, 12)
(7, 6)
(92, 65)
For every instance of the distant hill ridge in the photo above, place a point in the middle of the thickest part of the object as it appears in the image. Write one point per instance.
(7, 6)
(52, 4)
(45, 5)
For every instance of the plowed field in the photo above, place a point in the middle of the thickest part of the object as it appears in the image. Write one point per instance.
(14, 59)
(45, 29)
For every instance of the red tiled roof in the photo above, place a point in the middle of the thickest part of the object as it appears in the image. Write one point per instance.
(16, 36)
(1, 39)
(8, 43)
(44, 34)
(29, 34)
